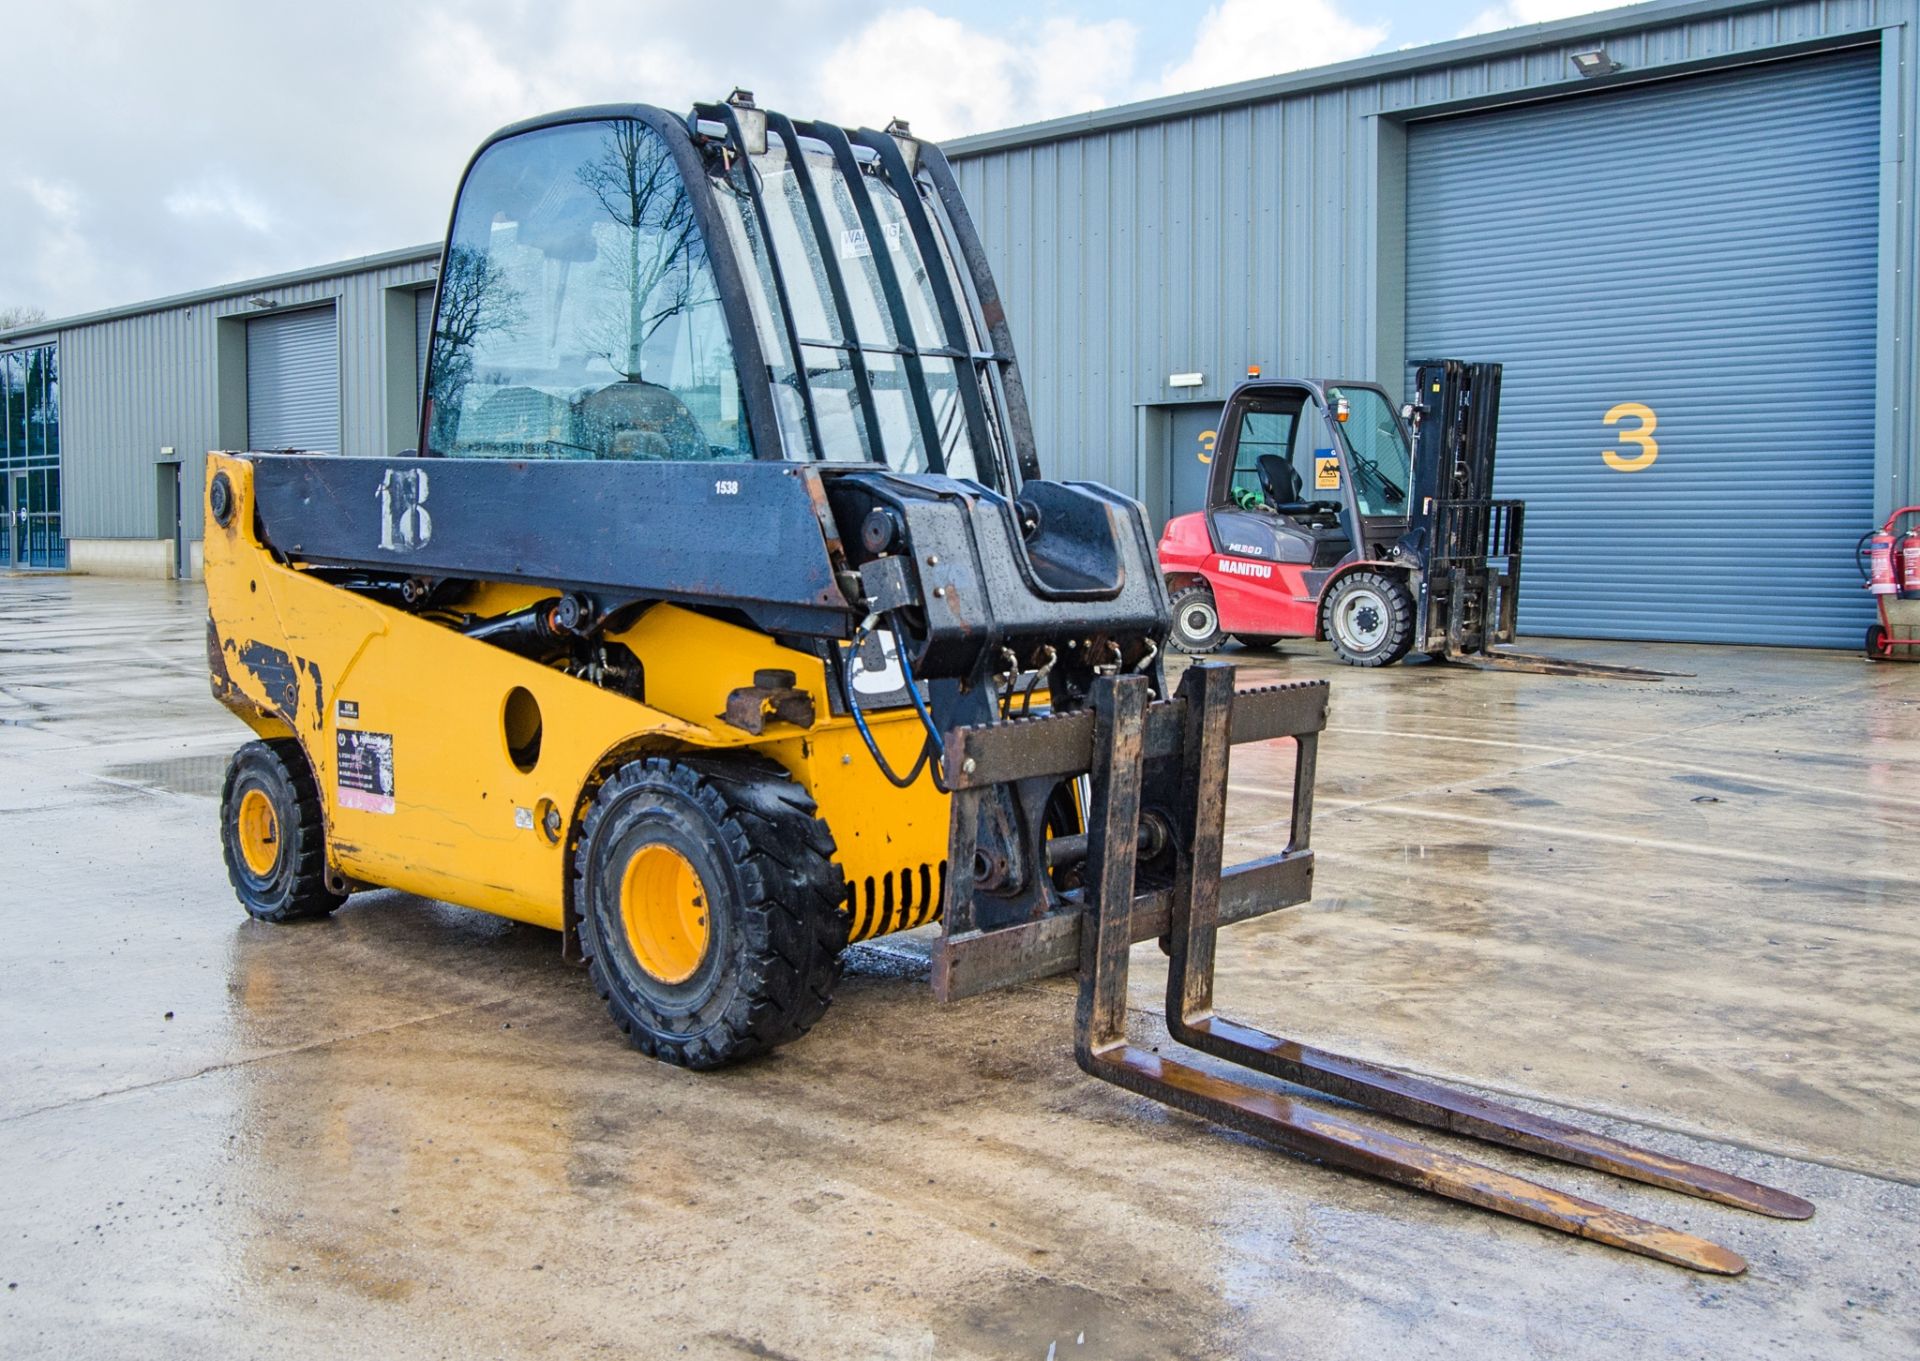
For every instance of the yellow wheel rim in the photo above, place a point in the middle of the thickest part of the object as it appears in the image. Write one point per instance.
(259, 829)
(663, 905)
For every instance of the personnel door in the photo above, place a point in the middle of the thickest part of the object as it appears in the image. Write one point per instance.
(1191, 455)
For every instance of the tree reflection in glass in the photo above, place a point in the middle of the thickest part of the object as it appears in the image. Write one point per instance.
(579, 316)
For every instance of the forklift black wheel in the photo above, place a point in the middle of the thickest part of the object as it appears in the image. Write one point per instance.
(1369, 619)
(273, 835)
(1196, 623)
(709, 907)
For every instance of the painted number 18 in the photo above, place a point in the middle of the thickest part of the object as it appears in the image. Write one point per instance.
(1641, 435)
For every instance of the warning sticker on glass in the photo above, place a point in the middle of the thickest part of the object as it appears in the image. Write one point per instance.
(1326, 474)
(854, 243)
(363, 770)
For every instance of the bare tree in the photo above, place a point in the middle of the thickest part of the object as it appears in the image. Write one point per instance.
(13, 318)
(475, 299)
(636, 182)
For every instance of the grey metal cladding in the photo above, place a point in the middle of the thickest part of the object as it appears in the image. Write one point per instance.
(1263, 223)
(173, 375)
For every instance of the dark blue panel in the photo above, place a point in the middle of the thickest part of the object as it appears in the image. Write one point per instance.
(1705, 248)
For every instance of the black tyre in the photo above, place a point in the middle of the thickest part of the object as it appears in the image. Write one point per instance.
(273, 835)
(1257, 642)
(709, 907)
(1196, 623)
(1877, 649)
(1369, 619)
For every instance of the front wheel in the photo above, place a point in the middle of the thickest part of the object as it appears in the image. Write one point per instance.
(273, 835)
(1369, 619)
(709, 907)
(1196, 621)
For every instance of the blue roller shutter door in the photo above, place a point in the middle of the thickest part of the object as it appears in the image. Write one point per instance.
(293, 382)
(1703, 250)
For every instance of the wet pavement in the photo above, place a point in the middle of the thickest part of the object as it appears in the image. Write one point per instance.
(1686, 913)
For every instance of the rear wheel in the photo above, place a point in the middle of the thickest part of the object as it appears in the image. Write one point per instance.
(272, 834)
(709, 907)
(1369, 619)
(1196, 621)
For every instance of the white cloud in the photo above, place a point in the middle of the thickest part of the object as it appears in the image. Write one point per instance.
(1246, 39)
(363, 112)
(949, 78)
(53, 242)
(219, 200)
(1514, 13)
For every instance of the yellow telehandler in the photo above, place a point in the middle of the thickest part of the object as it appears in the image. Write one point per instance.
(723, 617)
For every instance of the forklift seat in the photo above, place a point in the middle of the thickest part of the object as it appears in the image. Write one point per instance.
(1281, 482)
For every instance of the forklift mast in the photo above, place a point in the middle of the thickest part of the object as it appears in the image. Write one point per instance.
(1465, 545)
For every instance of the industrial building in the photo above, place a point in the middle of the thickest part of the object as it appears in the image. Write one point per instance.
(1687, 229)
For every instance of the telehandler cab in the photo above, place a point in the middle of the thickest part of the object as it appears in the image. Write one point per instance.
(723, 617)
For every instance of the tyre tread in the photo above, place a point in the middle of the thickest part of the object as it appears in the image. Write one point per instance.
(790, 920)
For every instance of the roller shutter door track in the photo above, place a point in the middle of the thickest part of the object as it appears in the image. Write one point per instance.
(293, 382)
(1705, 248)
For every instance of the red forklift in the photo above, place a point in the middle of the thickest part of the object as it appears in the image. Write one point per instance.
(1330, 514)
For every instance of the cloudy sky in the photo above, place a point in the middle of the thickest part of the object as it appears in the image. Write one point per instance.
(170, 146)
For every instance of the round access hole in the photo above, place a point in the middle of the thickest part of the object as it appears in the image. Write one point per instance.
(520, 723)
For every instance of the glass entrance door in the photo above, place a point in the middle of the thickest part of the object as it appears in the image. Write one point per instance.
(30, 458)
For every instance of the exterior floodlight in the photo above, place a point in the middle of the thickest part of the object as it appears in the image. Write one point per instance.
(751, 121)
(1594, 62)
(261, 301)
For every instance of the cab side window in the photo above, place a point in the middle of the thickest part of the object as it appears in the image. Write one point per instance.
(1261, 432)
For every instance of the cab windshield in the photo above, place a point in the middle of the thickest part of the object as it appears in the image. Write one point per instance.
(578, 316)
(1377, 450)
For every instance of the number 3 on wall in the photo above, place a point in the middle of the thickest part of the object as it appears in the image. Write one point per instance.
(1649, 447)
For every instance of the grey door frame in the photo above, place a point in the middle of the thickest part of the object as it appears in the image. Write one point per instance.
(16, 525)
(173, 517)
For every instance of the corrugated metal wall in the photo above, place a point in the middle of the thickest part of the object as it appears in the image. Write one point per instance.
(1273, 233)
(131, 386)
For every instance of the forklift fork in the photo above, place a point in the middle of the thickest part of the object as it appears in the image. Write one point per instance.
(1102, 1049)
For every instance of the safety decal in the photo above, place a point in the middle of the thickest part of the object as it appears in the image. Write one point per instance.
(854, 243)
(1326, 474)
(363, 770)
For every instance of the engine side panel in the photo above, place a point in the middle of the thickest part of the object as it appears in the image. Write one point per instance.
(411, 729)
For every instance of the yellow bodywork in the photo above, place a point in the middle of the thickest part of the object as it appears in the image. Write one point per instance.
(471, 812)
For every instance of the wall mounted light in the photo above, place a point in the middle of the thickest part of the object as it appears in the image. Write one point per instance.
(261, 301)
(1593, 62)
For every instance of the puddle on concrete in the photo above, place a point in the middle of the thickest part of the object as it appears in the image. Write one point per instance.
(199, 775)
(1040, 1317)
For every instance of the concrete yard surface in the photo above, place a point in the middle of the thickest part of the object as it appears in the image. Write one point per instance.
(1685, 913)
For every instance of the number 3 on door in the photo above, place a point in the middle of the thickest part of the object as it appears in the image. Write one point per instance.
(1643, 436)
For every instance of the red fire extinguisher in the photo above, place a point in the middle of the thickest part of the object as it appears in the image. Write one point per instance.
(1906, 566)
(1882, 574)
